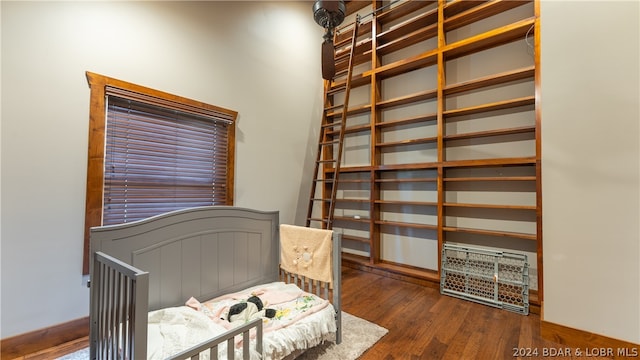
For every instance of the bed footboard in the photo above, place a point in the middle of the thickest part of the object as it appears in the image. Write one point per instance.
(119, 307)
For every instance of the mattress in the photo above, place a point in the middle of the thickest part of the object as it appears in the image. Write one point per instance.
(300, 321)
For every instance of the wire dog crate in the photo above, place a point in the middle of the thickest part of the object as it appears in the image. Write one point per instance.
(494, 278)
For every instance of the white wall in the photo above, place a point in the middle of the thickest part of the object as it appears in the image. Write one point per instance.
(590, 136)
(259, 58)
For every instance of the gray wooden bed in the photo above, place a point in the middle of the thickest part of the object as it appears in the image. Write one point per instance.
(202, 252)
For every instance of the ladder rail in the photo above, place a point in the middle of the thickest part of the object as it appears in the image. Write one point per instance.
(327, 86)
(343, 122)
(324, 143)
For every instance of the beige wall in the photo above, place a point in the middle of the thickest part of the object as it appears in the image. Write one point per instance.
(259, 58)
(590, 136)
(590, 164)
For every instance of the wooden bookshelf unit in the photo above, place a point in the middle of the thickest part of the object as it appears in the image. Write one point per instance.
(442, 140)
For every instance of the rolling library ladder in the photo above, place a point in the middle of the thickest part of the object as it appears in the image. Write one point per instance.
(331, 141)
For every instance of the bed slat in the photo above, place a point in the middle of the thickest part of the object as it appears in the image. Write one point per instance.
(230, 354)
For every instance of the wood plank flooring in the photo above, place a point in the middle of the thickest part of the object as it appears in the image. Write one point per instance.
(58, 351)
(424, 324)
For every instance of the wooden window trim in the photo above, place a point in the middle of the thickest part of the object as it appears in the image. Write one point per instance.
(99, 85)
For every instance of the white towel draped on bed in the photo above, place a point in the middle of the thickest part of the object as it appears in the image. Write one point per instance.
(306, 251)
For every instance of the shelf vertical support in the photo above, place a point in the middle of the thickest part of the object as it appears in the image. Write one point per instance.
(538, 115)
(440, 130)
(376, 136)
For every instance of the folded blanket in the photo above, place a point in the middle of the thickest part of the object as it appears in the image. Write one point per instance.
(306, 251)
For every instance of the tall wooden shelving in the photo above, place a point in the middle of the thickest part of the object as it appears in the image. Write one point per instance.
(443, 134)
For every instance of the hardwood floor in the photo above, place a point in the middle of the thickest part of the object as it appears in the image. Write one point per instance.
(425, 325)
(58, 351)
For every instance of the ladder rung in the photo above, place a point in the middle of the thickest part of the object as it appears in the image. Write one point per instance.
(316, 199)
(344, 55)
(324, 180)
(343, 42)
(326, 161)
(332, 142)
(344, 66)
(337, 89)
(342, 72)
(334, 107)
(316, 219)
(335, 123)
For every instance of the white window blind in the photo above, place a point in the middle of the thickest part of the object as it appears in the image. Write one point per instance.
(161, 157)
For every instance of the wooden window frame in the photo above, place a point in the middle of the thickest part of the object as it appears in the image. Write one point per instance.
(98, 85)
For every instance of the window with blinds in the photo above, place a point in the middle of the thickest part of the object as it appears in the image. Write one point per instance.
(159, 159)
(151, 152)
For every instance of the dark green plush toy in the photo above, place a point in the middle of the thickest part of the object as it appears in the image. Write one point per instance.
(249, 310)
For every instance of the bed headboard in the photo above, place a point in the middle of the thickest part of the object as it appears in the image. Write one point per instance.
(201, 252)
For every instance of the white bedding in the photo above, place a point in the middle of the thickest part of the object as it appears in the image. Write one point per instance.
(302, 321)
(175, 329)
